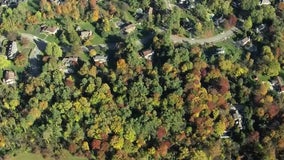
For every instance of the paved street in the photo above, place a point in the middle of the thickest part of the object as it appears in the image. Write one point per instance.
(217, 38)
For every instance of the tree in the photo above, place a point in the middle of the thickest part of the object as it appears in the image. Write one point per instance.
(117, 142)
(248, 24)
(96, 14)
(21, 60)
(199, 155)
(93, 4)
(249, 4)
(4, 62)
(52, 49)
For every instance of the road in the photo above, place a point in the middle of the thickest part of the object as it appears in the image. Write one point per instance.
(41, 43)
(217, 38)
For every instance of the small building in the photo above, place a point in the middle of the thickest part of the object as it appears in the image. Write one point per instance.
(100, 59)
(237, 117)
(9, 77)
(220, 50)
(68, 63)
(12, 49)
(4, 3)
(260, 28)
(219, 20)
(50, 30)
(264, 2)
(129, 28)
(150, 11)
(57, 2)
(119, 24)
(277, 84)
(85, 34)
(236, 4)
(147, 54)
(245, 41)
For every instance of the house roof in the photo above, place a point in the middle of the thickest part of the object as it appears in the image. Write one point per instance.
(147, 52)
(265, 2)
(12, 49)
(129, 28)
(85, 34)
(100, 59)
(245, 41)
(10, 75)
(51, 30)
(150, 11)
(72, 59)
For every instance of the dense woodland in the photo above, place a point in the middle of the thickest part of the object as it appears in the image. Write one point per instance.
(176, 106)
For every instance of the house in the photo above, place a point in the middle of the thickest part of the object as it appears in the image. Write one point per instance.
(277, 84)
(251, 48)
(237, 117)
(50, 30)
(129, 28)
(100, 59)
(57, 2)
(234, 111)
(220, 50)
(219, 20)
(12, 49)
(245, 41)
(236, 4)
(264, 2)
(10, 3)
(4, 3)
(260, 28)
(68, 63)
(119, 24)
(186, 3)
(147, 54)
(150, 11)
(187, 24)
(85, 34)
(9, 77)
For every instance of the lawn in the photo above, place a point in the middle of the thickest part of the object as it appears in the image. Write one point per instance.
(230, 49)
(37, 156)
(97, 39)
(86, 26)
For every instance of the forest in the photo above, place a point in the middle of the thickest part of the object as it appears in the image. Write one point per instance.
(98, 95)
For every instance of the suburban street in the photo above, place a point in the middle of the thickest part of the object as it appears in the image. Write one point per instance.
(217, 38)
(41, 43)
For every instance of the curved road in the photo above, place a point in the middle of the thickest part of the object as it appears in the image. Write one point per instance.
(175, 38)
(217, 38)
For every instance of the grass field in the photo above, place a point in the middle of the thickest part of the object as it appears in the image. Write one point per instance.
(37, 156)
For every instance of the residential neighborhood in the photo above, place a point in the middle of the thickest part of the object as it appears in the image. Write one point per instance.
(150, 79)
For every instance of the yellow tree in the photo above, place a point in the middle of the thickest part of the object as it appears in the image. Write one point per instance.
(96, 14)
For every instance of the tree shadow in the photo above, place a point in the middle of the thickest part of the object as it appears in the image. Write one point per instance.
(41, 45)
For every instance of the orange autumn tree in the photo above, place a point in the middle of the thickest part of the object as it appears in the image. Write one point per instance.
(96, 14)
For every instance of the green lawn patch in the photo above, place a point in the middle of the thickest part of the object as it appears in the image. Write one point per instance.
(37, 156)
(86, 26)
(51, 38)
(97, 39)
(230, 49)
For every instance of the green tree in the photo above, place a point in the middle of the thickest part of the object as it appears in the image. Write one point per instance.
(248, 24)
(4, 62)
(52, 49)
